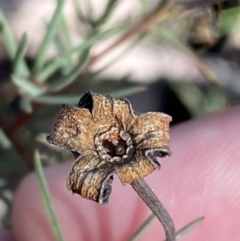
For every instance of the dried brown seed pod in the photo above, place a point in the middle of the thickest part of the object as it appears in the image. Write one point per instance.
(106, 137)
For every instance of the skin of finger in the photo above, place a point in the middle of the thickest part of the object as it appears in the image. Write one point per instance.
(201, 178)
(6, 235)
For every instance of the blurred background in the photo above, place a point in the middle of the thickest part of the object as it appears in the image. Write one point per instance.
(181, 58)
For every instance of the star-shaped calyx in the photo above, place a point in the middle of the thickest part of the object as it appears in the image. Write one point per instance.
(106, 137)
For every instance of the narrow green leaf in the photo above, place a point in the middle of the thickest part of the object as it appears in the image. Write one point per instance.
(107, 12)
(89, 10)
(12, 166)
(10, 43)
(27, 86)
(63, 47)
(179, 234)
(48, 38)
(51, 68)
(66, 34)
(72, 75)
(84, 15)
(59, 45)
(142, 228)
(20, 53)
(60, 61)
(47, 198)
(57, 100)
(26, 105)
(73, 99)
(189, 227)
(5, 143)
(8, 39)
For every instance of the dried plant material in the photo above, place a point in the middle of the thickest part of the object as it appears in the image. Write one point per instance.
(107, 138)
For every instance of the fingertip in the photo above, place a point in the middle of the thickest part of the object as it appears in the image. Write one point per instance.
(79, 219)
(199, 179)
(202, 176)
(28, 216)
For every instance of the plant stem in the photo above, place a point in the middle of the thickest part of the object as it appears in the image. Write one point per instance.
(148, 196)
(156, 16)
